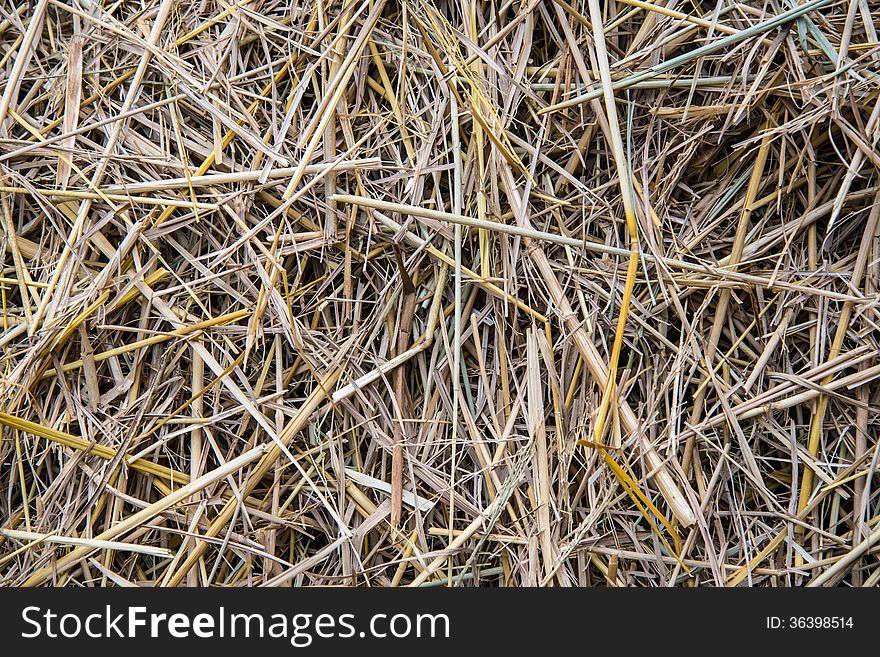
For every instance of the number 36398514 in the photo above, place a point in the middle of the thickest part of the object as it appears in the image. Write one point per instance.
(810, 623)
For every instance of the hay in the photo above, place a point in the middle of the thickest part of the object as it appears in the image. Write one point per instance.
(393, 292)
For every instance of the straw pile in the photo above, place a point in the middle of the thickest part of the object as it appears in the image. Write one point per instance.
(402, 292)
